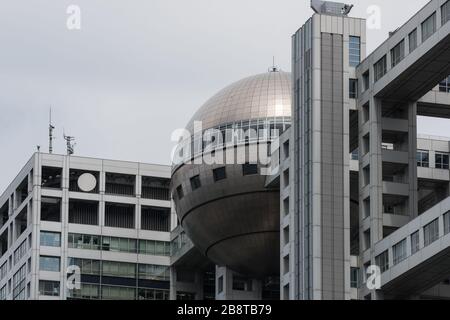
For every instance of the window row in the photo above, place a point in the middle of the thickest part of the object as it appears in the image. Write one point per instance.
(117, 215)
(398, 52)
(97, 292)
(115, 183)
(441, 159)
(106, 243)
(245, 131)
(121, 269)
(219, 174)
(400, 251)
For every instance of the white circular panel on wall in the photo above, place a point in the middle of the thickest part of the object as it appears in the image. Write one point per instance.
(87, 182)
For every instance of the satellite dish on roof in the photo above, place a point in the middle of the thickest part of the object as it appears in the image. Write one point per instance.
(87, 182)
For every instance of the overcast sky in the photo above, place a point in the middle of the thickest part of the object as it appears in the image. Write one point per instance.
(138, 69)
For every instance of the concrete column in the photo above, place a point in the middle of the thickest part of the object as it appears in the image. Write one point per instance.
(224, 282)
(412, 155)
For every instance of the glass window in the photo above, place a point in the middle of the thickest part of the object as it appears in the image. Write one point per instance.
(118, 269)
(445, 12)
(19, 284)
(380, 68)
(118, 293)
(49, 288)
(366, 81)
(242, 283)
(153, 272)
(354, 51)
(444, 85)
(249, 169)
(383, 261)
(354, 277)
(431, 232)
(180, 192)
(3, 293)
(20, 252)
(447, 223)
(423, 158)
(219, 174)
(50, 239)
(442, 160)
(428, 27)
(399, 252)
(398, 53)
(3, 271)
(415, 244)
(413, 41)
(353, 88)
(195, 182)
(87, 266)
(49, 263)
(84, 241)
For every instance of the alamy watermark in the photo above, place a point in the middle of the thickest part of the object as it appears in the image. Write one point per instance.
(228, 146)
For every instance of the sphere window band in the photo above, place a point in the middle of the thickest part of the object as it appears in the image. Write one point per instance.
(232, 134)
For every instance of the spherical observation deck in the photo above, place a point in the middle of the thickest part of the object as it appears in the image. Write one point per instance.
(226, 209)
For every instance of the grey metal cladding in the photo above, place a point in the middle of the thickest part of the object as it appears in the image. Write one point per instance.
(332, 218)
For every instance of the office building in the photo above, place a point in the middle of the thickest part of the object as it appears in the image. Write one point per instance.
(84, 228)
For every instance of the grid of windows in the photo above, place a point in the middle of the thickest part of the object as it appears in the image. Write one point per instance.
(398, 53)
(428, 27)
(444, 85)
(423, 158)
(380, 68)
(415, 244)
(431, 232)
(50, 239)
(382, 261)
(442, 160)
(399, 252)
(49, 288)
(354, 51)
(445, 13)
(47, 263)
(413, 41)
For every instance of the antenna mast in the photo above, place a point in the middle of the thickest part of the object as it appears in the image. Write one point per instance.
(274, 67)
(70, 144)
(50, 133)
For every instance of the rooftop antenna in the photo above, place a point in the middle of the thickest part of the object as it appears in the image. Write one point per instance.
(274, 67)
(50, 133)
(70, 144)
